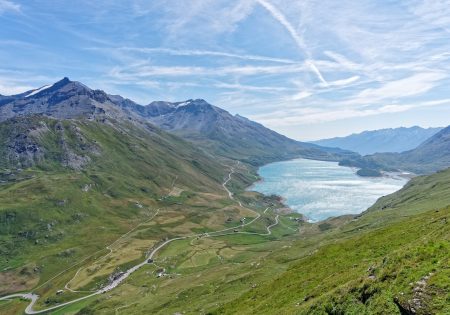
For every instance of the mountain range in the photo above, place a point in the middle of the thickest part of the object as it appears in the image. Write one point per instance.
(382, 140)
(197, 121)
(215, 131)
(430, 156)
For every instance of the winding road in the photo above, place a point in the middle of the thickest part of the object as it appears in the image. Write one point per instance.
(34, 297)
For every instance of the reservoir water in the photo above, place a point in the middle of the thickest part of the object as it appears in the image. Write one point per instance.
(320, 190)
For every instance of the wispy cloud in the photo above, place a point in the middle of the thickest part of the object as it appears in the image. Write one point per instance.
(414, 85)
(253, 88)
(188, 18)
(436, 13)
(278, 15)
(313, 115)
(300, 95)
(15, 82)
(161, 71)
(9, 6)
(342, 82)
(193, 52)
(282, 62)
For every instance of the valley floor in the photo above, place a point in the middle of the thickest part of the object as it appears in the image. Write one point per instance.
(201, 250)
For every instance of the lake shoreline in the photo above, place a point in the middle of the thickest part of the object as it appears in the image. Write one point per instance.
(345, 180)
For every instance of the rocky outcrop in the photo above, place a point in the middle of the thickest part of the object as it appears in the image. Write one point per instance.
(35, 140)
(21, 148)
(417, 304)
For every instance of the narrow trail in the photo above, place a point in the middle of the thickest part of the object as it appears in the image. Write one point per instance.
(34, 297)
(116, 311)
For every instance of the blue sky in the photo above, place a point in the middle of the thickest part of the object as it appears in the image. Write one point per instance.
(308, 69)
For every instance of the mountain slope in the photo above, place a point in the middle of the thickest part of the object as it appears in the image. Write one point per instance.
(383, 140)
(113, 160)
(431, 156)
(231, 136)
(76, 172)
(393, 259)
(209, 127)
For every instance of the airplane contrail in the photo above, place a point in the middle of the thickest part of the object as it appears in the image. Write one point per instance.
(276, 14)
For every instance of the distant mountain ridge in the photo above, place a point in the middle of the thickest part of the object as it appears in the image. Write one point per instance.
(431, 156)
(382, 140)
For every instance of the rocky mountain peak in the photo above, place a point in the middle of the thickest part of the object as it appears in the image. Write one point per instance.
(63, 99)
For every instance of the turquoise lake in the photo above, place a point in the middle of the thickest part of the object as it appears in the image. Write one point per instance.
(320, 190)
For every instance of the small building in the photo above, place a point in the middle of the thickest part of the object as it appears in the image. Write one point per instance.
(161, 272)
(117, 276)
(59, 292)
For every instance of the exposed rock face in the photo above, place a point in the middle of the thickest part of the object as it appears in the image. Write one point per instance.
(154, 109)
(30, 140)
(22, 149)
(70, 158)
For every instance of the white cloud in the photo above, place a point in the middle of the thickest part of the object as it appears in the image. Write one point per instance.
(301, 95)
(434, 12)
(278, 15)
(313, 115)
(11, 89)
(194, 52)
(9, 6)
(15, 81)
(152, 71)
(343, 82)
(251, 88)
(414, 85)
(188, 18)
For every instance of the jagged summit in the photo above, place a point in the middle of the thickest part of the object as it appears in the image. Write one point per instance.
(48, 89)
(64, 99)
(72, 99)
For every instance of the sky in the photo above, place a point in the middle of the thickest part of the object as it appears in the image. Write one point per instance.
(307, 69)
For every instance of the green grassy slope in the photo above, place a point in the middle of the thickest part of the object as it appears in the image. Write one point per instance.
(72, 187)
(54, 212)
(377, 263)
(392, 259)
(388, 260)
